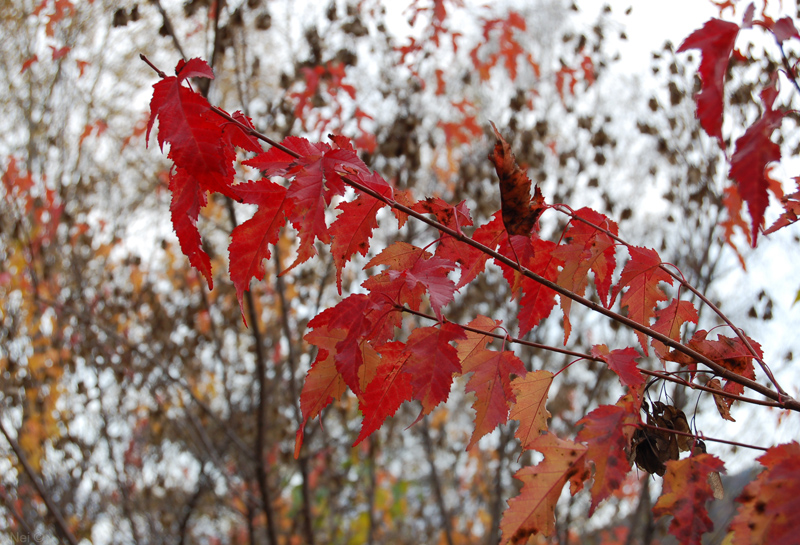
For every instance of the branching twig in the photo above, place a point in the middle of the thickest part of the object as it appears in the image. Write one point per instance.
(61, 524)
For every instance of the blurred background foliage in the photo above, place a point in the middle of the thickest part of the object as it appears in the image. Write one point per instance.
(143, 408)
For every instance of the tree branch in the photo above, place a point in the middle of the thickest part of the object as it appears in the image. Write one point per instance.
(61, 524)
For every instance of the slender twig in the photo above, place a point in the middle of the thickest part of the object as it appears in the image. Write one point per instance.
(263, 401)
(693, 436)
(168, 27)
(302, 460)
(61, 524)
(789, 71)
(657, 374)
(435, 482)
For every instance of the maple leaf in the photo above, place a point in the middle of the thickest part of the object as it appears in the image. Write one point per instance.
(250, 241)
(432, 363)
(387, 391)
(520, 210)
(491, 377)
(412, 270)
(323, 383)
(730, 353)
(669, 321)
(536, 255)
(353, 228)
(203, 158)
(642, 274)
(622, 362)
(352, 315)
(753, 151)
(791, 205)
(530, 411)
(587, 249)
(471, 260)
(195, 137)
(187, 200)
(686, 491)
(770, 504)
(715, 42)
(532, 512)
(607, 430)
(316, 179)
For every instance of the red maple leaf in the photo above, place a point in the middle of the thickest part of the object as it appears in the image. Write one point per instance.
(323, 381)
(622, 362)
(715, 42)
(412, 270)
(607, 431)
(316, 179)
(353, 228)
(686, 491)
(187, 200)
(669, 321)
(250, 241)
(491, 377)
(791, 205)
(587, 249)
(432, 363)
(642, 274)
(192, 130)
(203, 158)
(532, 512)
(471, 260)
(730, 353)
(753, 151)
(387, 391)
(536, 255)
(771, 503)
(529, 410)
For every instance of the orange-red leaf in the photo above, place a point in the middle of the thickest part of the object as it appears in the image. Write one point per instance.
(491, 378)
(669, 321)
(642, 274)
(587, 249)
(250, 241)
(353, 227)
(770, 505)
(686, 491)
(532, 512)
(607, 431)
(622, 362)
(754, 150)
(432, 363)
(530, 410)
(387, 391)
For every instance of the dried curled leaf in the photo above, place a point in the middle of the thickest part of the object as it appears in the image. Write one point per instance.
(520, 210)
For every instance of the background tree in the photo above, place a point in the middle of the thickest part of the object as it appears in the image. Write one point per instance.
(135, 399)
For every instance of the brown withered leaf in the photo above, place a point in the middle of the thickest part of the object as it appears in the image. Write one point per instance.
(723, 403)
(520, 210)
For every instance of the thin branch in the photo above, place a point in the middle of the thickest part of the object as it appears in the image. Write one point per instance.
(698, 437)
(435, 483)
(263, 401)
(61, 524)
(657, 374)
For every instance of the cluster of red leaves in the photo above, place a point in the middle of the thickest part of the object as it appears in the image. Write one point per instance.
(754, 151)
(358, 348)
